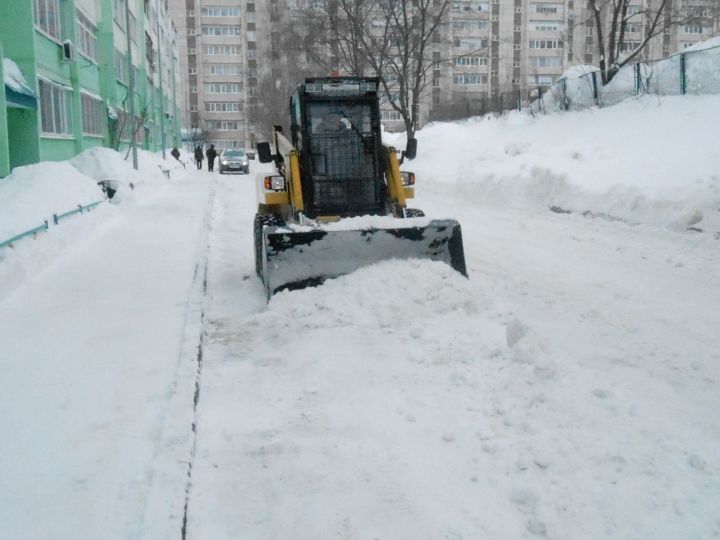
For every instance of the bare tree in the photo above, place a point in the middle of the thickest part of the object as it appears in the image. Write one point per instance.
(611, 19)
(296, 53)
(400, 52)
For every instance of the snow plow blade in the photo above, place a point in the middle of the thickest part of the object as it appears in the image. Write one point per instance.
(297, 259)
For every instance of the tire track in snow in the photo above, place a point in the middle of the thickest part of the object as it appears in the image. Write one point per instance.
(174, 442)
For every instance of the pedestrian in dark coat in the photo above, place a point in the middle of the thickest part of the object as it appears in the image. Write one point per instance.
(211, 155)
(198, 157)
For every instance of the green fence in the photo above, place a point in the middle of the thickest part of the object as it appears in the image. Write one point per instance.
(56, 219)
(689, 72)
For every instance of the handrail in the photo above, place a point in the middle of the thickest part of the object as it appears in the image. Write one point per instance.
(79, 210)
(45, 226)
(11, 241)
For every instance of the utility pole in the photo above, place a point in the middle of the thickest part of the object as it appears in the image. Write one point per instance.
(131, 83)
(162, 97)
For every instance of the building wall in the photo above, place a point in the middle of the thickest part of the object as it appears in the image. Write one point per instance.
(219, 42)
(90, 82)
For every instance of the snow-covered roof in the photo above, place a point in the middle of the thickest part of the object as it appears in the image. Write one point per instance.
(14, 78)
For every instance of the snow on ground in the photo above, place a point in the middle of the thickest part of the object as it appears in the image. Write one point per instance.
(567, 389)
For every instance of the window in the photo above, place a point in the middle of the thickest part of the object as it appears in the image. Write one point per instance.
(547, 9)
(545, 44)
(545, 26)
(54, 108)
(119, 12)
(121, 67)
(86, 36)
(220, 12)
(222, 50)
(545, 61)
(221, 144)
(221, 30)
(47, 16)
(628, 46)
(223, 125)
(223, 69)
(230, 106)
(390, 115)
(471, 61)
(222, 88)
(92, 115)
(697, 29)
(471, 43)
(133, 28)
(633, 28)
(470, 6)
(534, 80)
(469, 26)
(470, 78)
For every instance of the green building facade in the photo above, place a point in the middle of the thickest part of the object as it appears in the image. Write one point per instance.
(73, 54)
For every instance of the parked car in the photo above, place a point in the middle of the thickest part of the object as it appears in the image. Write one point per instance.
(250, 153)
(234, 161)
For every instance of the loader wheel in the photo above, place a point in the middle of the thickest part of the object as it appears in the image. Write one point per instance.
(414, 212)
(262, 221)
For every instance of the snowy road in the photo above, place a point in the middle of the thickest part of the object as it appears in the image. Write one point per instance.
(567, 389)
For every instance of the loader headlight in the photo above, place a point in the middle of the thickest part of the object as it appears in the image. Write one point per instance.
(275, 183)
(408, 178)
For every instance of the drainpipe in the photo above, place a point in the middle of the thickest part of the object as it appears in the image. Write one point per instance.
(131, 85)
(160, 70)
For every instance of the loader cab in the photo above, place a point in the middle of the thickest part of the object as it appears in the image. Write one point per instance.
(335, 125)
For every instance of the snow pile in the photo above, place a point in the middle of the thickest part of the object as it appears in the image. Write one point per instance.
(108, 164)
(704, 45)
(14, 78)
(580, 70)
(651, 161)
(33, 193)
(407, 386)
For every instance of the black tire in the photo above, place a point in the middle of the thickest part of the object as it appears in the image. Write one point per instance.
(262, 221)
(414, 212)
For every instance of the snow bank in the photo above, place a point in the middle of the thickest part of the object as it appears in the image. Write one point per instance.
(703, 45)
(33, 193)
(651, 161)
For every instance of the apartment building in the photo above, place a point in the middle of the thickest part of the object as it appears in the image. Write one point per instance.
(74, 56)
(495, 50)
(488, 54)
(218, 58)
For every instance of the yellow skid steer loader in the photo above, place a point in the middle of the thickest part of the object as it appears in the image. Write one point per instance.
(337, 201)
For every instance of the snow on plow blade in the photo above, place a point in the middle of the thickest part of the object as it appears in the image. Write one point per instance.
(297, 259)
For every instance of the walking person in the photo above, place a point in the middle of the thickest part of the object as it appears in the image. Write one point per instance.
(198, 157)
(211, 155)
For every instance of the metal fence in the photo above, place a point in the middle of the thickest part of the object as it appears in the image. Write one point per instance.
(56, 219)
(690, 72)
